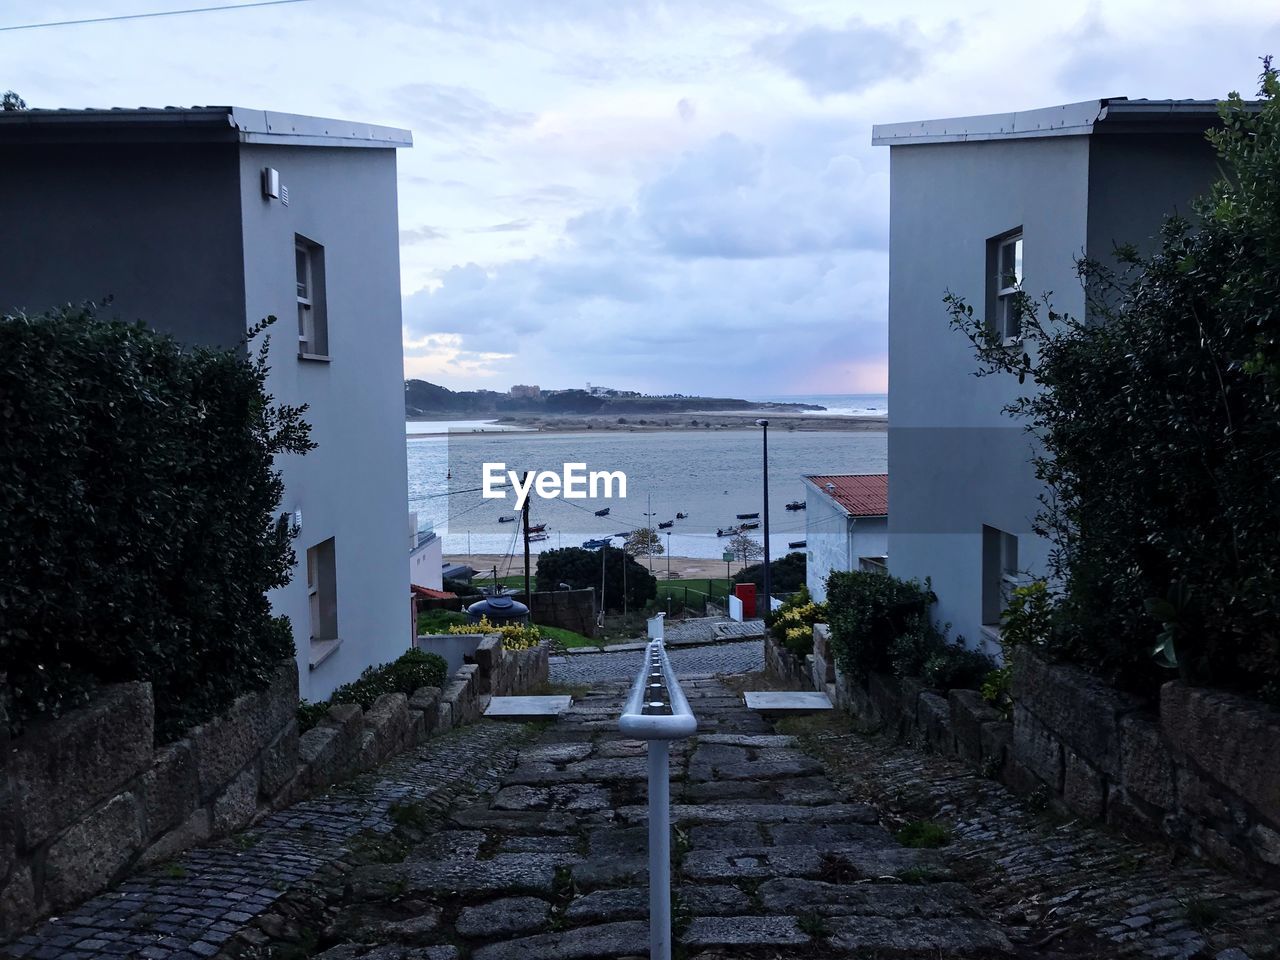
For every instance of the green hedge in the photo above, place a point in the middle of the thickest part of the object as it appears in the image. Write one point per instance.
(408, 672)
(139, 525)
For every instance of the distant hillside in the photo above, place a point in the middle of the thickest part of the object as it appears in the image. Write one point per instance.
(424, 400)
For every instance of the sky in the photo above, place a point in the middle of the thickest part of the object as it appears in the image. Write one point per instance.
(666, 197)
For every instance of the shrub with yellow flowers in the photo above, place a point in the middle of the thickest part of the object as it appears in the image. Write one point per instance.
(792, 623)
(515, 636)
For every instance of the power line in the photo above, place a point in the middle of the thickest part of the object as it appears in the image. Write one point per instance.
(147, 16)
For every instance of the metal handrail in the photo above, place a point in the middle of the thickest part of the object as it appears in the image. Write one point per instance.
(657, 711)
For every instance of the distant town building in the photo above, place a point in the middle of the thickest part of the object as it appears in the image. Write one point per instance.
(525, 391)
(846, 526)
(201, 221)
(983, 206)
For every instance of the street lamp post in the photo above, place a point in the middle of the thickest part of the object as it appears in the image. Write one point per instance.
(764, 433)
(668, 554)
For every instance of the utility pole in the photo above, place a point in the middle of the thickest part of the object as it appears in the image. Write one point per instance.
(768, 603)
(528, 594)
(668, 554)
(649, 517)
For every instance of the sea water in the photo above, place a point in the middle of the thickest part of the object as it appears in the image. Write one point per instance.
(711, 476)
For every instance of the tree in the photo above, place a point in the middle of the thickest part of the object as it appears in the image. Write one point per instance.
(581, 568)
(644, 542)
(786, 574)
(1159, 420)
(11, 101)
(744, 548)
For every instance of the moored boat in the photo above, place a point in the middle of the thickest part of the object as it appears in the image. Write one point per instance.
(507, 518)
(797, 505)
(749, 516)
(603, 513)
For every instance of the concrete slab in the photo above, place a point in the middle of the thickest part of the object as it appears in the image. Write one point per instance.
(787, 701)
(528, 708)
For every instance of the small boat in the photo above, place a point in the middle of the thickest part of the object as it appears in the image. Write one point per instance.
(507, 518)
(666, 524)
(750, 525)
(535, 537)
(602, 513)
(682, 516)
(595, 544)
(538, 528)
(624, 533)
(749, 516)
(729, 532)
(797, 544)
(796, 505)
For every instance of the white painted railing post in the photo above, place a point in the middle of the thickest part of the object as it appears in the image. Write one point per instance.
(657, 711)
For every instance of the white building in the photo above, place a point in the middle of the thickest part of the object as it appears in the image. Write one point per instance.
(426, 555)
(846, 526)
(980, 206)
(201, 221)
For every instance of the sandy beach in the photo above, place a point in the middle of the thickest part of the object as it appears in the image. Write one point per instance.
(692, 421)
(682, 568)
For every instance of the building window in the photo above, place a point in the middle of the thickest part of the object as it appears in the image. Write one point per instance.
(322, 591)
(999, 573)
(1004, 267)
(313, 330)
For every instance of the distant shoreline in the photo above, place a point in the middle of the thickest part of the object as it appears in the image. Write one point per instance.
(706, 421)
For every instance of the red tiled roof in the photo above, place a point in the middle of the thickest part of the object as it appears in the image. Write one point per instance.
(860, 494)
(426, 593)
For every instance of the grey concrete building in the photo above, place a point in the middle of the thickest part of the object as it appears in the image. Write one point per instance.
(979, 206)
(200, 221)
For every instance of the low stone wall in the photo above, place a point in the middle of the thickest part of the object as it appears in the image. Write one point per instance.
(86, 798)
(567, 609)
(1202, 771)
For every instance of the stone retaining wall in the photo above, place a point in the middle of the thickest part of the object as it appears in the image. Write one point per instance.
(87, 797)
(1203, 771)
(568, 609)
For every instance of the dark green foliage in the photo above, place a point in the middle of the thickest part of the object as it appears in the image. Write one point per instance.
(310, 714)
(580, 568)
(1159, 420)
(139, 531)
(462, 588)
(880, 622)
(954, 666)
(439, 621)
(923, 835)
(405, 674)
(786, 574)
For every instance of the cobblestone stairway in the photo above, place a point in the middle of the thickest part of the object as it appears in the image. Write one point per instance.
(508, 841)
(772, 862)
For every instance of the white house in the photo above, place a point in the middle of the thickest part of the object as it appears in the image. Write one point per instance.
(200, 221)
(982, 206)
(426, 555)
(846, 525)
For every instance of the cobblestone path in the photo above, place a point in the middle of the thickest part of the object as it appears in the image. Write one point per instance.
(620, 667)
(506, 842)
(1061, 887)
(772, 861)
(189, 908)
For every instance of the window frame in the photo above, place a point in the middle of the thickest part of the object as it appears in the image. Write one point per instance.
(1001, 295)
(313, 320)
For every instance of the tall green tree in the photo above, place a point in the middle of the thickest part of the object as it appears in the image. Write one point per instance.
(1159, 421)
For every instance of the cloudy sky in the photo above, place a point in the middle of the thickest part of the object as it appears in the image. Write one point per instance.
(656, 196)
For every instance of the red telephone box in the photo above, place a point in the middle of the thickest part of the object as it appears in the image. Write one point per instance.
(746, 592)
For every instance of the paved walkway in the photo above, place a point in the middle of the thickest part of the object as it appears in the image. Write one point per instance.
(505, 842)
(620, 666)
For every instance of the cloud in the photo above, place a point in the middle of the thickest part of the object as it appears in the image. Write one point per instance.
(731, 269)
(850, 59)
(442, 110)
(510, 226)
(687, 109)
(421, 234)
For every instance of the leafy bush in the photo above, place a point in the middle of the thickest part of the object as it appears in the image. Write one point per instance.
(792, 623)
(580, 568)
(879, 622)
(954, 666)
(1159, 419)
(997, 689)
(1028, 619)
(786, 574)
(405, 674)
(515, 636)
(139, 524)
